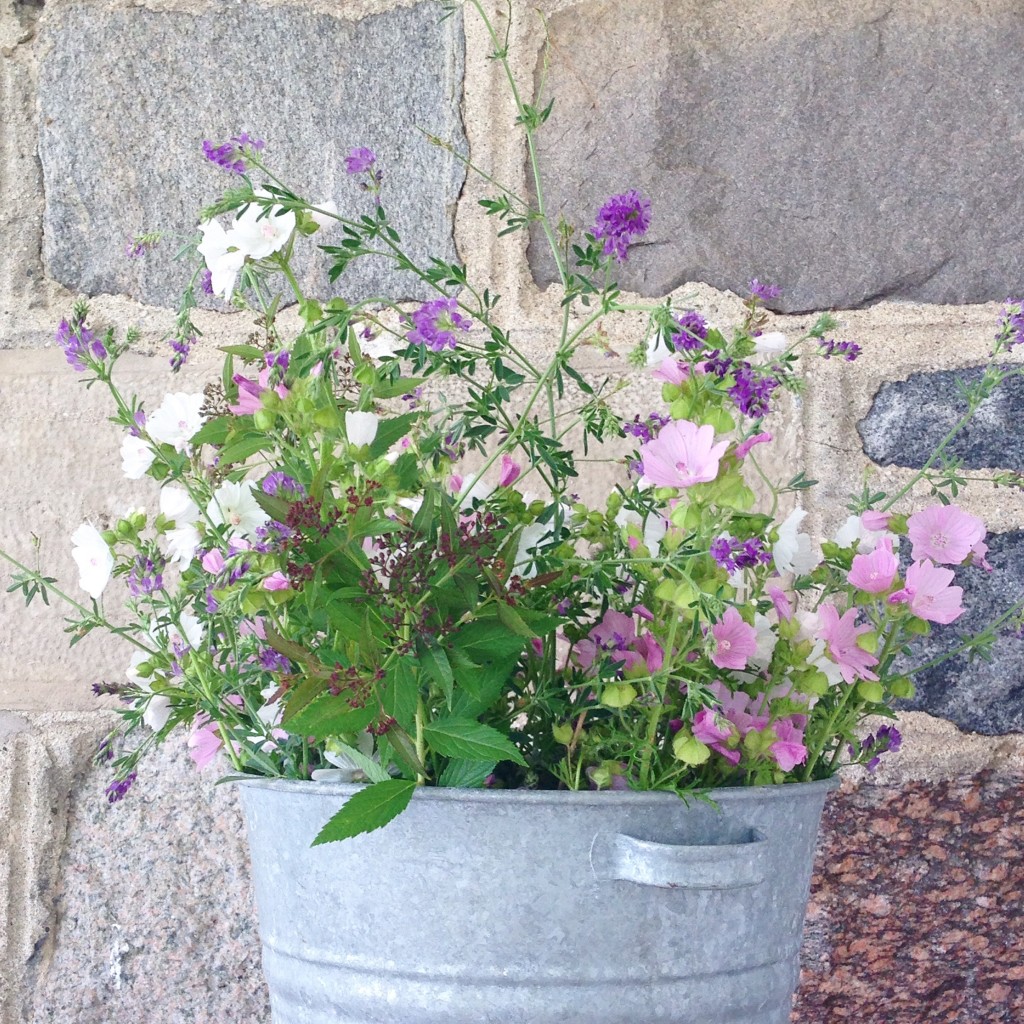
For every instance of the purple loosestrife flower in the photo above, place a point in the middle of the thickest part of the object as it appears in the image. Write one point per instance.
(118, 789)
(181, 347)
(647, 429)
(78, 343)
(206, 282)
(280, 485)
(434, 325)
(718, 364)
(230, 155)
(622, 220)
(732, 554)
(764, 292)
(849, 350)
(1011, 327)
(361, 159)
(273, 661)
(694, 331)
(752, 391)
(146, 576)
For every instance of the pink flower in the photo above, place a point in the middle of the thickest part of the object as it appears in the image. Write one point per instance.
(874, 521)
(213, 561)
(510, 470)
(743, 448)
(651, 652)
(672, 371)
(929, 594)
(944, 533)
(250, 393)
(744, 712)
(840, 635)
(875, 572)
(203, 744)
(276, 581)
(615, 632)
(783, 606)
(734, 641)
(682, 455)
(455, 482)
(789, 749)
(978, 553)
(714, 729)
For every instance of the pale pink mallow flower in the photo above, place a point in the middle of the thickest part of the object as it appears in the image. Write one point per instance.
(840, 634)
(944, 533)
(789, 749)
(875, 572)
(672, 371)
(203, 744)
(250, 393)
(276, 581)
(510, 471)
(783, 606)
(874, 521)
(712, 728)
(745, 712)
(743, 448)
(929, 595)
(682, 455)
(735, 642)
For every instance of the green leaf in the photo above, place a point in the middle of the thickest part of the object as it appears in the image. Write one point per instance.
(240, 450)
(250, 353)
(369, 809)
(462, 737)
(401, 693)
(390, 431)
(465, 774)
(437, 666)
(373, 770)
(328, 715)
(213, 432)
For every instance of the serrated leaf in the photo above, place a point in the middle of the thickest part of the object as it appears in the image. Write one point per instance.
(464, 774)
(367, 810)
(390, 431)
(401, 693)
(462, 737)
(373, 770)
(328, 715)
(437, 666)
(240, 450)
(213, 432)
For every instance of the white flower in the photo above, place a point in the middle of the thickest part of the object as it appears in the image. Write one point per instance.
(234, 505)
(360, 427)
(158, 710)
(383, 346)
(176, 504)
(182, 544)
(480, 491)
(853, 531)
(766, 641)
(657, 349)
(322, 219)
(177, 420)
(793, 551)
(173, 637)
(93, 558)
(223, 257)
(823, 663)
(654, 528)
(136, 457)
(771, 344)
(260, 231)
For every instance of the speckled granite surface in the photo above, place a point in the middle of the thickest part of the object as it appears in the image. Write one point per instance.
(917, 912)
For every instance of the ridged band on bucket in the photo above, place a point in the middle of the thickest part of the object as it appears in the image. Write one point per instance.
(520, 907)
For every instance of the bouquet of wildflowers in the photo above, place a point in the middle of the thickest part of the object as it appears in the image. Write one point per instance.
(369, 561)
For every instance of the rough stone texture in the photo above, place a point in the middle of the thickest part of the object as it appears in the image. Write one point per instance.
(847, 152)
(916, 906)
(910, 417)
(120, 140)
(143, 910)
(984, 697)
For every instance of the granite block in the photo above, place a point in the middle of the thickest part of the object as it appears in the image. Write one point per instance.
(846, 152)
(121, 137)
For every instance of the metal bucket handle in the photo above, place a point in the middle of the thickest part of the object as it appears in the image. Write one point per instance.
(614, 856)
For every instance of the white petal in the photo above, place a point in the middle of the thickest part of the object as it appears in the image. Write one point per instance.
(361, 427)
(93, 558)
(136, 457)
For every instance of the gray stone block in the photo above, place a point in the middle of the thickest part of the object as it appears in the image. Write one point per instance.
(908, 419)
(982, 697)
(846, 152)
(128, 96)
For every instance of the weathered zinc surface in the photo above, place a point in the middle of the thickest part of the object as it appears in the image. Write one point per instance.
(847, 152)
(121, 139)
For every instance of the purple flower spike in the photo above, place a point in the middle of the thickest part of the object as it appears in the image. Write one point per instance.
(764, 292)
(118, 789)
(360, 160)
(849, 350)
(621, 221)
(694, 330)
(78, 343)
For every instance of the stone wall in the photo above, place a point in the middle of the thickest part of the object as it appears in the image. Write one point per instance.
(862, 155)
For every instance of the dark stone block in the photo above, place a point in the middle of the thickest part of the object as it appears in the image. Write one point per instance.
(846, 152)
(981, 697)
(909, 418)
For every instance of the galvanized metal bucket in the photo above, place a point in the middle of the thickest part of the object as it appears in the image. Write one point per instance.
(521, 907)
